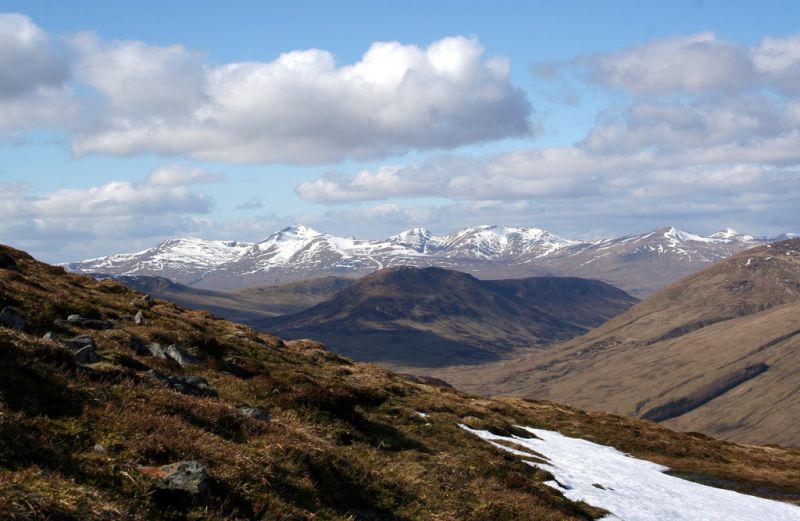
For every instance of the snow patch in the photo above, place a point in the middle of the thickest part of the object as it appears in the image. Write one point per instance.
(632, 489)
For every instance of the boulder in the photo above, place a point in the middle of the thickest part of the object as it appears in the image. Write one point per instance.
(145, 301)
(83, 322)
(184, 476)
(191, 385)
(138, 319)
(84, 349)
(11, 318)
(255, 413)
(179, 355)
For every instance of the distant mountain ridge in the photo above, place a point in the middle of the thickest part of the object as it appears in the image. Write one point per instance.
(639, 264)
(410, 318)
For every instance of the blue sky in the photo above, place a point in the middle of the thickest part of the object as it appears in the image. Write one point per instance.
(588, 119)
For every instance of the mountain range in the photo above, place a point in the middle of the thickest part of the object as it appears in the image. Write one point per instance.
(639, 264)
(717, 352)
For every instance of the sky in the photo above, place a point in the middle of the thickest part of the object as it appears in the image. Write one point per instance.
(125, 123)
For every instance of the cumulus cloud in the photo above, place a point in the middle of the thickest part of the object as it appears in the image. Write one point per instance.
(33, 78)
(691, 64)
(177, 175)
(301, 107)
(112, 213)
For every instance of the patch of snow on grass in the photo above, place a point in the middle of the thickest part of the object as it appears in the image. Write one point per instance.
(632, 489)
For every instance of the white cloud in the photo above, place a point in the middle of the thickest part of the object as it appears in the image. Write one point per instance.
(33, 78)
(27, 58)
(301, 107)
(81, 219)
(177, 175)
(690, 64)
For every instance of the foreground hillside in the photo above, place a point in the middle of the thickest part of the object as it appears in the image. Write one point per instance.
(412, 318)
(257, 428)
(717, 352)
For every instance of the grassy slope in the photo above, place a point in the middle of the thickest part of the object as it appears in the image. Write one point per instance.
(345, 441)
(683, 344)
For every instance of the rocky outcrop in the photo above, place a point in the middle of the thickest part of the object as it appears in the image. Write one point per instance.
(192, 385)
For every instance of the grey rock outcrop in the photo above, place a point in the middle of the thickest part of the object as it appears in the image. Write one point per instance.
(84, 349)
(184, 476)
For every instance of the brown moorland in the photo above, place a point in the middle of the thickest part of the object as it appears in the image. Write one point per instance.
(80, 437)
(717, 352)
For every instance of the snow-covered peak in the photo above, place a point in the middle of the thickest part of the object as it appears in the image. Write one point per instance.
(415, 238)
(730, 234)
(676, 235)
(500, 241)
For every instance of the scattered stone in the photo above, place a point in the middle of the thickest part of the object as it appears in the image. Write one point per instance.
(192, 385)
(138, 319)
(179, 355)
(87, 323)
(155, 350)
(256, 413)
(84, 349)
(145, 301)
(11, 318)
(99, 449)
(50, 336)
(184, 476)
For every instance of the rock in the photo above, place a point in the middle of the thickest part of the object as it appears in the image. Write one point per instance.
(184, 476)
(256, 413)
(145, 301)
(155, 350)
(99, 449)
(138, 319)
(87, 323)
(11, 318)
(192, 385)
(179, 355)
(50, 336)
(84, 349)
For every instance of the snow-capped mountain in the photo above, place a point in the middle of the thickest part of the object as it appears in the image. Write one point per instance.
(637, 263)
(184, 259)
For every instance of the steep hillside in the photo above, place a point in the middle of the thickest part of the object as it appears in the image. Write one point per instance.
(639, 264)
(139, 409)
(429, 317)
(717, 352)
(244, 306)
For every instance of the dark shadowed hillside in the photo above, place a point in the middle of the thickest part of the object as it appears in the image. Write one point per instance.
(412, 317)
(246, 306)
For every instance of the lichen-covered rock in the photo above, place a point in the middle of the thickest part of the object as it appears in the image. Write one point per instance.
(184, 476)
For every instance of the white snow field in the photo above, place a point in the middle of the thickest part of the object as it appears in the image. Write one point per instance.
(632, 489)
